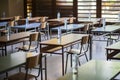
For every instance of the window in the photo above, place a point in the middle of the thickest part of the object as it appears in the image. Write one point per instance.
(110, 9)
(86, 7)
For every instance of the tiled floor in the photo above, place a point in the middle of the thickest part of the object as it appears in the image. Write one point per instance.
(54, 61)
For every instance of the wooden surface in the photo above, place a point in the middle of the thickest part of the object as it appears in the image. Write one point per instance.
(114, 46)
(12, 61)
(94, 70)
(65, 40)
(108, 28)
(6, 19)
(14, 37)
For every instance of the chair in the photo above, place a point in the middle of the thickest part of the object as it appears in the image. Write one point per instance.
(16, 18)
(43, 19)
(44, 27)
(111, 37)
(80, 52)
(71, 20)
(34, 39)
(98, 23)
(5, 30)
(33, 60)
(86, 29)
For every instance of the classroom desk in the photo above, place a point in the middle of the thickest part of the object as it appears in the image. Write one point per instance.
(69, 27)
(95, 70)
(107, 29)
(113, 51)
(54, 44)
(27, 26)
(12, 61)
(7, 40)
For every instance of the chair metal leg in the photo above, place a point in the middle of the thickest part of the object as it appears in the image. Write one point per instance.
(86, 57)
(79, 62)
(71, 59)
(66, 63)
(45, 68)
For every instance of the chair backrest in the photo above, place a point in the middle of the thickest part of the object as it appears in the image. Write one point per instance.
(17, 17)
(43, 19)
(34, 37)
(11, 23)
(84, 43)
(43, 25)
(71, 20)
(32, 61)
(86, 28)
(100, 22)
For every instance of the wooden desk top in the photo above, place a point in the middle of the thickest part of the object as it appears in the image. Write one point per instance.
(113, 21)
(6, 19)
(59, 20)
(94, 20)
(32, 19)
(14, 37)
(12, 61)
(95, 70)
(108, 28)
(115, 46)
(65, 40)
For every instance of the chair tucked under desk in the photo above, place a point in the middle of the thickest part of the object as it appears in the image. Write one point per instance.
(32, 61)
(32, 45)
(81, 51)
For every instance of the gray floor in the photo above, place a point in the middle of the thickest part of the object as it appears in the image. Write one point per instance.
(54, 61)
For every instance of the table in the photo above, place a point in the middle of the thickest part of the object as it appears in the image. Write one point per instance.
(116, 49)
(7, 40)
(3, 24)
(57, 22)
(60, 19)
(6, 19)
(69, 27)
(12, 61)
(66, 40)
(94, 20)
(107, 29)
(27, 26)
(31, 20)
(95, 70)
(113, 21)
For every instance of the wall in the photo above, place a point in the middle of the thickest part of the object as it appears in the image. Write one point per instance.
(12, 7)
(16, 7)
(4, 7)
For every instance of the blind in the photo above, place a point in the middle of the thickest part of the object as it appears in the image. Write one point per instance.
(110, 9)
(86, 7)
(65, 7)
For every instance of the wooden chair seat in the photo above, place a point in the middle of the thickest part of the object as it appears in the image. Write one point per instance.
(75, 51)
(26, 48)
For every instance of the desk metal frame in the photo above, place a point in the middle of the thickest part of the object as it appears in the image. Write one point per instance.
(66, 40)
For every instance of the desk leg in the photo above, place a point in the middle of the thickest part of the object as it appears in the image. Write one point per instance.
(90, 55)
(62, 60)
(41, 63)
(5, 49)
